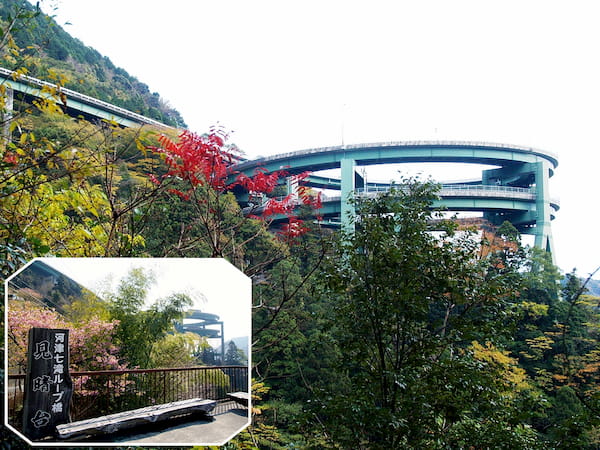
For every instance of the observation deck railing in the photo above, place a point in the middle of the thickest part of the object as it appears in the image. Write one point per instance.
(100, 393)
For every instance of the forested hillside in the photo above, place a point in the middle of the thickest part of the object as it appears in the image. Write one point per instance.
(47, 51)
(410, 331)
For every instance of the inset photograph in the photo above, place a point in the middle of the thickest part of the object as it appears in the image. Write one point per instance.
(130, 351)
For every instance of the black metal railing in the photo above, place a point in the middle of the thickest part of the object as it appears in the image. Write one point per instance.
(106, 392)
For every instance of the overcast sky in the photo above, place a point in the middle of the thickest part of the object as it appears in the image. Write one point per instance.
(285, 76)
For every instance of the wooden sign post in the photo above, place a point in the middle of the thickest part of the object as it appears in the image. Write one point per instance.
(48, 385)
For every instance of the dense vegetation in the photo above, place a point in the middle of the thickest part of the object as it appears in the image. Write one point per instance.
(391, 336)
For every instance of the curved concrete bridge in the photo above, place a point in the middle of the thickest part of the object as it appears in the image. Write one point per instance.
(516, 189)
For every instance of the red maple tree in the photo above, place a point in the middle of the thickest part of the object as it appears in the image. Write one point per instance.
(206, 160)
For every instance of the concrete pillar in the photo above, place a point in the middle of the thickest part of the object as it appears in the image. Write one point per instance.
(292, 187)
(347, 190)
(7, 115)
(543, 232)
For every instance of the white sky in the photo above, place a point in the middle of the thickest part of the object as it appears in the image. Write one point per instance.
(216, 286)
(285, 76)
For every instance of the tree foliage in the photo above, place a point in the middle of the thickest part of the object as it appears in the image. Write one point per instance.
(415, 365)
(235, 356)
(141, 326)
(177, 350)
(92, 342)
(200, 171)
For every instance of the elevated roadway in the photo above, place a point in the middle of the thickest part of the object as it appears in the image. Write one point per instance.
(78, 103)
(515, 189)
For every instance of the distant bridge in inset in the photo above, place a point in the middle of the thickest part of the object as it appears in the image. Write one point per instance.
(515, 189)
(76, 103)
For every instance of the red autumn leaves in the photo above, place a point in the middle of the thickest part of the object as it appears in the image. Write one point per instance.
(198, 160)
(206, 160)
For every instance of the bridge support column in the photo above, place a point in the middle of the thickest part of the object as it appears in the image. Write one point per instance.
(7, 115)
(347, 209)
(292, 187)
(543, 233)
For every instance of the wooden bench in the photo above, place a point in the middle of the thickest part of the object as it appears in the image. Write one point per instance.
(241, 397)
(135, 417)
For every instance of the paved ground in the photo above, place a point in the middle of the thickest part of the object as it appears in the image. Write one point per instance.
(228, 420)
(198, 432)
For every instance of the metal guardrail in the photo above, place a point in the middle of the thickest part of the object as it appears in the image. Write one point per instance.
(462, 190)
(451, 190)
(105, 392)
(11, 75)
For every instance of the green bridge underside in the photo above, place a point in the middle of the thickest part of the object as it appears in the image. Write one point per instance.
(517, 190)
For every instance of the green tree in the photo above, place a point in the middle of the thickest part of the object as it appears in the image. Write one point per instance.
(177, 350)
(411, 306)
(235, 356)
(207, 356)
(140, 327)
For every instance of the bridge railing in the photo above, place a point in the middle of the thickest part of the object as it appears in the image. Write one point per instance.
(451, 190)
(461, 190)
(400, 144)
